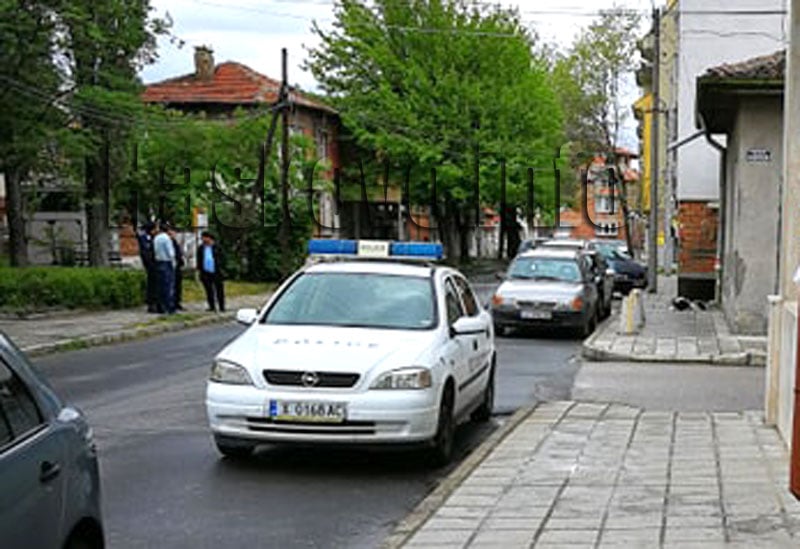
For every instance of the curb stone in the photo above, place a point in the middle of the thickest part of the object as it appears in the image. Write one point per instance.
(96, 340)
(428, 506)
(745, 358)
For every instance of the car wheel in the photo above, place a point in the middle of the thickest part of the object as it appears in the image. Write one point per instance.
(484, 411)
(442, 451)
(499, 330)
(232, 448)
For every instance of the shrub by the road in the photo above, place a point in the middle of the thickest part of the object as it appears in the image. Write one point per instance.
(37, 288)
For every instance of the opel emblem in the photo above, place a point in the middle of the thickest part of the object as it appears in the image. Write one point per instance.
(309, 379)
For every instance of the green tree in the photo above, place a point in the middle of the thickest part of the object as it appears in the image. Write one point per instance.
(29, 84)
(425, 84)
(103, 45)
(589, 79)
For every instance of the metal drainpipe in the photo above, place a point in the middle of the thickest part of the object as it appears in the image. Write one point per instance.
(723, 180)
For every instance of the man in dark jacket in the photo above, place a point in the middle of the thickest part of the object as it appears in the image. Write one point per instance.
(179, 264)
(209, 265)
(145, 240)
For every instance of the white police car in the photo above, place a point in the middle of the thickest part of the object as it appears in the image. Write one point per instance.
(367, 348)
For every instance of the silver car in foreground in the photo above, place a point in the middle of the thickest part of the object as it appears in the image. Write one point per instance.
(547, 288)
(49, 482)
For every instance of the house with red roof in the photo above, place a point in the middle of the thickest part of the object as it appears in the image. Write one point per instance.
(599, 213)
(218, 90)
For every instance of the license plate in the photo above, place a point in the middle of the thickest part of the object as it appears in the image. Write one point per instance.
(311, 412)
(536, 315)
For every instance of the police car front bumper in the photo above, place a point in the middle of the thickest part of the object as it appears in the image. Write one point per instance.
(371, 417)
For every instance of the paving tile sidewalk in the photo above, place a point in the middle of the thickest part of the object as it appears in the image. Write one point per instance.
(673, 336)
(611, 476)
(40, 335)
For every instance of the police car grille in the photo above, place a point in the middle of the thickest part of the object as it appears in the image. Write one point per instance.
(324, 379)
(269, 425)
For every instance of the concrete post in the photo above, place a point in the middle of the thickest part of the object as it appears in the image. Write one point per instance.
(790, 243)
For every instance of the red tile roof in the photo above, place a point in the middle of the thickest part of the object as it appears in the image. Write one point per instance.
(765, 67)
(232, 84)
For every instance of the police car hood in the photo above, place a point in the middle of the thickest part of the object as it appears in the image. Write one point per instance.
(326, 348)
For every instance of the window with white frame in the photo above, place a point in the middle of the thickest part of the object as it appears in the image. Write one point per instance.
(322, 145)
(604, 204)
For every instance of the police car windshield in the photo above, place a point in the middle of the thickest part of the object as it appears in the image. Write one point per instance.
(539, 268)
(356, 300)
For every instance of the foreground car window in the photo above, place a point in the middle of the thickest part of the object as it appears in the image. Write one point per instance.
(536, 268)
(357, 300)
(17, 408)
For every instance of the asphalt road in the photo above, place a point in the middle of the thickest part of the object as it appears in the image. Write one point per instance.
(165, 485)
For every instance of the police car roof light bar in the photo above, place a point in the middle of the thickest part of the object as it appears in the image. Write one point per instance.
(375, 250)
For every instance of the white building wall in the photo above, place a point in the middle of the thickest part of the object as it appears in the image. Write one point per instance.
(708, 40)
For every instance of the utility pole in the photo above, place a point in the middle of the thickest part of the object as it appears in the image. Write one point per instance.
(652, 256)
(285, 161)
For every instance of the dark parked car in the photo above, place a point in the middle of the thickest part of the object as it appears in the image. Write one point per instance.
(49, 482)
(547, 287)
(628, 273)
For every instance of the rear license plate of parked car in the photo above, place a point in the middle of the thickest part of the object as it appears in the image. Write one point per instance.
(312, 412)
(536, 315)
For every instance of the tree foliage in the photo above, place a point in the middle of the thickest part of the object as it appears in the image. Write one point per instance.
(423, 84)
(590, 78)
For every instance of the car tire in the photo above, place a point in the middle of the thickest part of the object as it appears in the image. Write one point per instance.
(499, 330)
(484, 412)
(234, 449)
(442, 451)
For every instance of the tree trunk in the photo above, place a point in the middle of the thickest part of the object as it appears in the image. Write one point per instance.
(97, 229)
(18, 242)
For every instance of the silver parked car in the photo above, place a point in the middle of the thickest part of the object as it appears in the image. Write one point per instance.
(49, 481)
(547, 287)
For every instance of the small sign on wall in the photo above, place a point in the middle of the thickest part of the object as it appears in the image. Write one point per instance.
(759, 155)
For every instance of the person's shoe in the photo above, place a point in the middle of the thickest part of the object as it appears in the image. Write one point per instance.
(179, 308)
(210, 310)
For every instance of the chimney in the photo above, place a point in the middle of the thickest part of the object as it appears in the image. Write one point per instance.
(204, 63)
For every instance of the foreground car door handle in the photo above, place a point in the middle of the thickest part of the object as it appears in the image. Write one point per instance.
(48, 471)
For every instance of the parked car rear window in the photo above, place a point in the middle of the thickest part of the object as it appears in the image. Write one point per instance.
(539, 268)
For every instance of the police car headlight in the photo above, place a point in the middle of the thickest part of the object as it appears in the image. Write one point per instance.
(404, 378)
(224, 371)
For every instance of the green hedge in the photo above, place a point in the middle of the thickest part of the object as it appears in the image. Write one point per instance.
(35, 288)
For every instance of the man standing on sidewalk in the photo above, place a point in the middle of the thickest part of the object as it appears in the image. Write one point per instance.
(209, 263)
(179, 264)
(165, 264)
(145, 241)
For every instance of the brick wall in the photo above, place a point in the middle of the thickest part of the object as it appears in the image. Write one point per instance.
(698, 238)
(582, 228)
(128, 245)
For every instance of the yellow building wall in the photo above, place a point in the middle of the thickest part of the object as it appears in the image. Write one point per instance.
(644, 111)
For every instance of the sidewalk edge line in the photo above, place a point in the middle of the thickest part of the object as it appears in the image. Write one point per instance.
(408, 526)
(119, 336)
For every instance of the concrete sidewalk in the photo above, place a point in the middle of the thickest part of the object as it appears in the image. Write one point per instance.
(673, 336)
(47, 334)
(594, 475)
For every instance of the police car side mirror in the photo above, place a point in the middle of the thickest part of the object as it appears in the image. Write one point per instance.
(467, 325)
(246, 316)
(500, 275)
